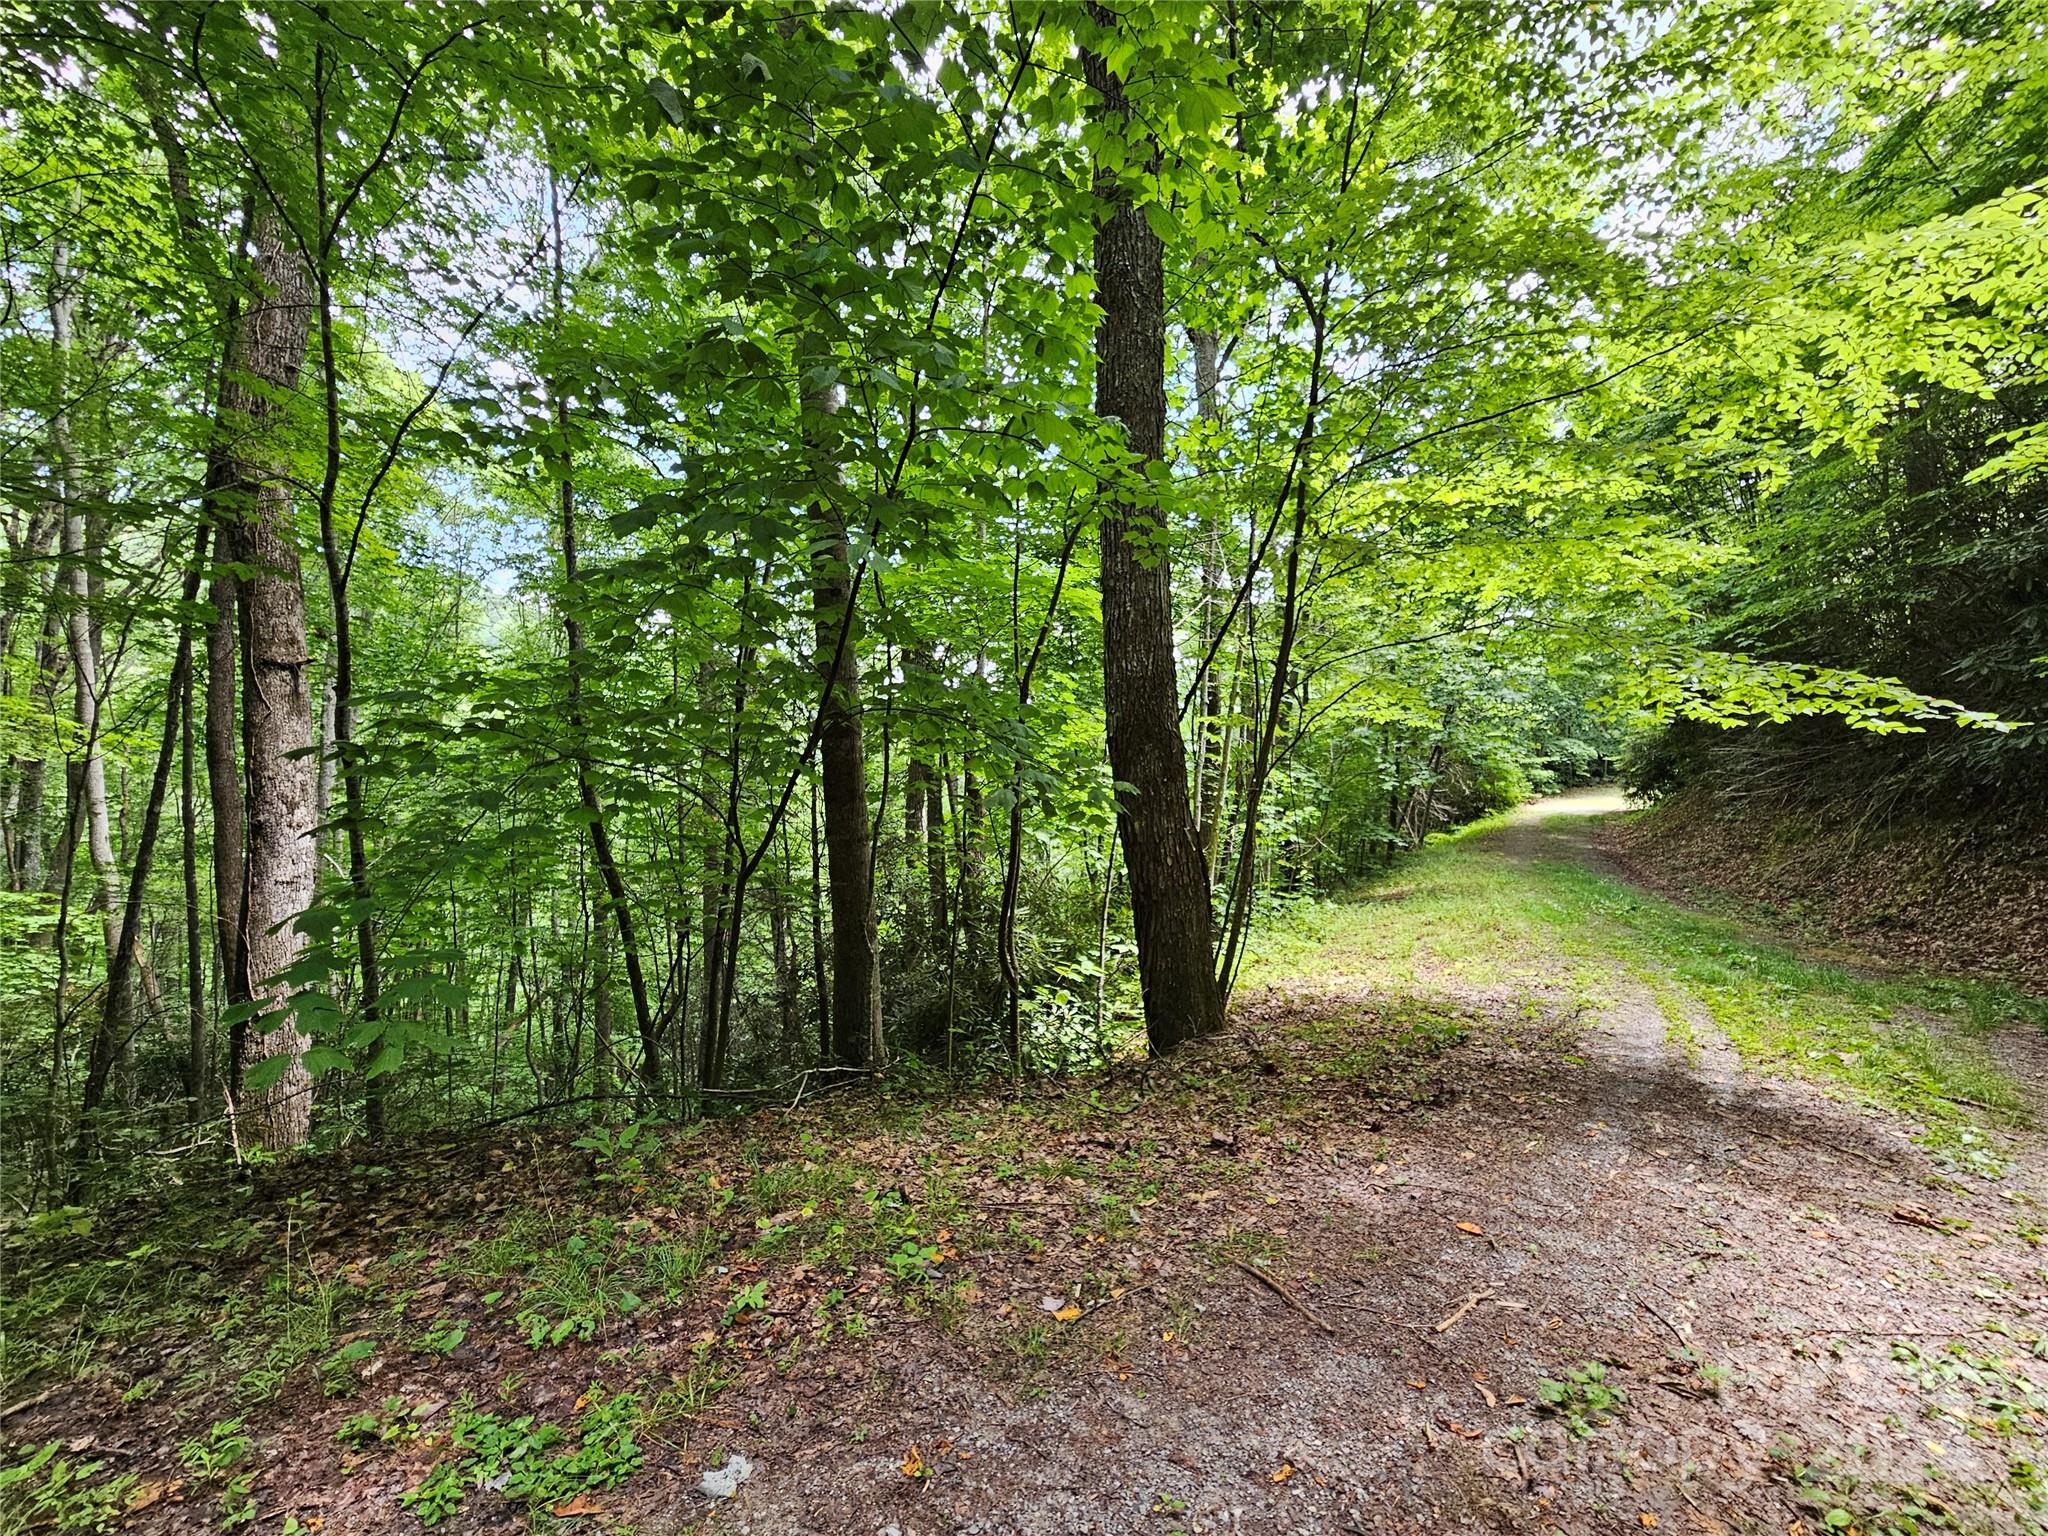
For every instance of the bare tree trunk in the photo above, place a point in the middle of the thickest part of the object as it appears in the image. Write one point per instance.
(716, 895)
(601, 1009)
(820, 979)
(617, 900)
(1211, 746)
(935, 850)
(30, 873)
(919, 927)
(116, 1033)
(24, 581)
(323, 787)
(1162, 856)
(919, 842)
(277, 705)
(973, 858)
(198, 1044)
(1013, 859)
(74, 588)
(842, 755)
(224, 791)
(789, 1031)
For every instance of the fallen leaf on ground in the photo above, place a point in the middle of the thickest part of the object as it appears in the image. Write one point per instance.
(582, 1504)
(1472, 1227)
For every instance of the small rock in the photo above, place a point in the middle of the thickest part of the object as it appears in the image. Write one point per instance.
(723, 1482)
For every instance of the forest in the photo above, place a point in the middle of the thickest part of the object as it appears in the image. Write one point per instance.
(582, 567)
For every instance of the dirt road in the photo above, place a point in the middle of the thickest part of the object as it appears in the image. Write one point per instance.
(1760, 1307)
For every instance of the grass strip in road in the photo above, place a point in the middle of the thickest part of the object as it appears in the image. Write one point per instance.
(1464, 915)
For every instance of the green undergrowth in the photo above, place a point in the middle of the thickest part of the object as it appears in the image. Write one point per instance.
(1974, 1398)
(656, 1262)
(1461, 915)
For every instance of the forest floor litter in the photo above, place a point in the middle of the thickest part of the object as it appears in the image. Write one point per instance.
(1514, 1199)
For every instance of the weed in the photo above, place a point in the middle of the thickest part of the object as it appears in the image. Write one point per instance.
(379, 1426)
(214, 1458)
(1978, 1391)
(1584, 1401)
(614, 1154)
(45, 1492)
(913, 1259)
(537, 1463)
(338, 1375)
(693, 1391)
(748, 1298)
(443, 1336)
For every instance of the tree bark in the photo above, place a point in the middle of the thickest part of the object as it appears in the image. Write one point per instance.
(198, 1041)
(821, 983)
(1211, 750)
(117, 1027)
(224, 790)
(601, 1009)
(842, 753)
(24, 580)
(80, 641)
(789, 1027)
(277, 705)
(717, 897)
(1162, 855)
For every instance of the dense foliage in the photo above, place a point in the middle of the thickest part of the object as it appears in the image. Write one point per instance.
(562, 552)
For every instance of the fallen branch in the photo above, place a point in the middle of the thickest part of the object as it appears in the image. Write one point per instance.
(27, 1403)
(1284, 1294)
(1110, 1301)
(1913, 1216)
(1464, 1307)
(1683, 1341)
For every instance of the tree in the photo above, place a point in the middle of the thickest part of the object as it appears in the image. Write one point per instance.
(1141, 697)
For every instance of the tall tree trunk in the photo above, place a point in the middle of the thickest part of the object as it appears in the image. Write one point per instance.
(922, 927)
(973, 819)
(820, 980)
(935, 850)
(277, 705)
(116, 1033)
(24, 582)
(339, 567)
(789, 1032)
(601, 1008)
(716, 895)
(1316, 307)
(198, 1044)
(1141, 697)
(323, 785)
(919, 926)
(842, 752)
(1013, 858)
(1211, 748)
(224, 790)
(74, 585)
(618, 903)
(30, 873)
